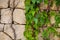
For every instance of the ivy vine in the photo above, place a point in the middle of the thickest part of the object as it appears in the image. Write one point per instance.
(36, 19)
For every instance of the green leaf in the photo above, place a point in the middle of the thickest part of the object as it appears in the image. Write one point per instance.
(35, 20)
(27, 8)
(57, 18)
(33, 12)
(27, 2)
(52, 13)
(37, 9)
(39, 1)
(28, 33)
(33, 1)
(46, 1)
(45, 34)
(36, 32)
(57, 2)
(51, 30)
(42, 20)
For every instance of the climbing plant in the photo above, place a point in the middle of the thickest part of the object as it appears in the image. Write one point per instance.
(36, 19)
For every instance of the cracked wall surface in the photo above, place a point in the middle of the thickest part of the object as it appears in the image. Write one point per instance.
(12, 19)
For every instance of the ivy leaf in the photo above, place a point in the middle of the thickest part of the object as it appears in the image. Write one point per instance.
(39, 1)
(33, 12)
(37, 9)
(28, 27)
(57, 2)
(52, 13)
(42, 20)
(45, 34)
(35, 23)
(36, 32)
(35, 20)
(46, 1)
(28, 33)
(27, 8)
(45, 17)
(57, 18)
(27, 2)
(33, 1)
(51, 30)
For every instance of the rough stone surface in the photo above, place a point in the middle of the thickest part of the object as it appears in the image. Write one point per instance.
(4, 36)
(58, 29)
(20, 3)
(6, 16)
(52, 19)
(12, 20)
(19, 16)
(3, 3)
(19, 31)
(40, 36)
(11, 3)
(17, 3)
(1, 27)
(56, 38)
(8, 30)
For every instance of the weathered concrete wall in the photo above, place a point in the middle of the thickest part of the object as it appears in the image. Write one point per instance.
(12, 19)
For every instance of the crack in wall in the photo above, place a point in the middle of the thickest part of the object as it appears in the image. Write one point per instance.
(14, 6)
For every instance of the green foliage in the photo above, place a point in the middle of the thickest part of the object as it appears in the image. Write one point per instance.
(58, 2)
(57, 18)
(46, 1)
(36, 19)
(32, 10)
(45, 34)
(52, 13)
(48, 31)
